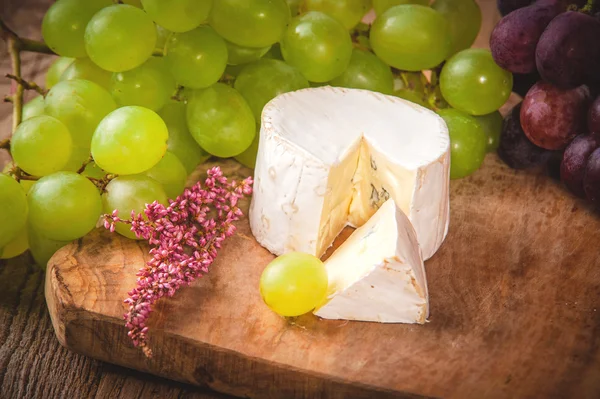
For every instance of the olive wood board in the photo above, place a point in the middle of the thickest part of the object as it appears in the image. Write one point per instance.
(515, 309)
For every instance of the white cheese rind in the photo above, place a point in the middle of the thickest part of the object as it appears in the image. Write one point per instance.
(378, 273)
(329, 157)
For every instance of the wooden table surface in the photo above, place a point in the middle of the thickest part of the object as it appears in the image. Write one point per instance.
(32, 362)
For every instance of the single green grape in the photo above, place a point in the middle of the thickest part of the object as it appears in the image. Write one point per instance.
(17, 246)
(382, 6)
(294, 284)
(366, 71)
(129, 140)
(79, 155)
(250, 23)
(84, 68)
(56, 69)
(221, 121)
(162, 36)
(41, 145)
(33, 108)
(43, 248)
(64, 206)
(472, 82)
(178, 15)
(13, 212)
(237, 55)
(468, 142)
(181, 143)
(492, 126)
(64, 25)
(248, 157)
(131, 193)
(464, 19)
(150, 85)
(348, 12)
(196, 58)
(412, 96)
(170, 173)
(94, 171)
(120, 37)
(318, 45)
(80, 105)
(265, 79)
(411, 37)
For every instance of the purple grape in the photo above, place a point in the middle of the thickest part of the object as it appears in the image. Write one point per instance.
(515, 149)
(591, 179)
(507, 6)
(594, 116)
(552, 117)
(575, 160)
(523, 82)
(568, 54)
(515, 37)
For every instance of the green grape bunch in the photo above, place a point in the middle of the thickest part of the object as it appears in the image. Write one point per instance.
(142, 93)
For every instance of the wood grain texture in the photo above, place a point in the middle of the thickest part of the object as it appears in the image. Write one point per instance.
(514, 291)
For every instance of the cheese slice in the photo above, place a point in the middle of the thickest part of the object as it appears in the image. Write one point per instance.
(377, 274)
(330, 157)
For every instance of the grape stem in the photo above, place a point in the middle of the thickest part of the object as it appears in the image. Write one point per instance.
(85, 164)
(27, 85)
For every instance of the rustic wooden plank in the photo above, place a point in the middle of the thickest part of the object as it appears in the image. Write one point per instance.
(514, 295)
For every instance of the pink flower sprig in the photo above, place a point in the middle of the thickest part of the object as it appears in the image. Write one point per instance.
(184, 238)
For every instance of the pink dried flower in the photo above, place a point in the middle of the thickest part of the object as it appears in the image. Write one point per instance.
(184, 237)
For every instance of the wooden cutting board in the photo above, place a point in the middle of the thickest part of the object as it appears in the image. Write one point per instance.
(515, 309)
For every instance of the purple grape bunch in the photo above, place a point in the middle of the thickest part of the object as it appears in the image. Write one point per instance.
(553, 49)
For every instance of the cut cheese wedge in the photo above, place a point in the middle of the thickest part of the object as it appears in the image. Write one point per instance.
(377, 274)
(330, 157)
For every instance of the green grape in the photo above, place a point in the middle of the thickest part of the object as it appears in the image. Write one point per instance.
(94, 171)
(13, 212)
(64, 25)
(178, 15)
(412, 96)
(33, 108)
(293, 284)
(196, 58)
(41, 145)
(237, 55)
(348, 12)
(382, 6)
(131, 193)
(250, 23)
(80, 105)
(64, 206)
(492, 126)
(411, 37)
(43, 248)
(181, 143)
(56, 69)
(468, 142)
(464, 19)
(150, 85)
(318, 45)
(263, 80)
(129, 140)
(120, 37)
(472, 82)
(220, 120)
(17, 246)
(162, 36)
(170, 173)
(84, 68)
(78, 156)
(366, 71)
(26, 185)
(248, 157)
